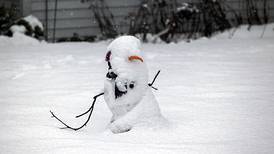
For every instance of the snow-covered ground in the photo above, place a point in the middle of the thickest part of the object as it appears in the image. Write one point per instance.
(217, 94)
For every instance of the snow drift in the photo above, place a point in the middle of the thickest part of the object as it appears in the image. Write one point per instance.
(217, 94)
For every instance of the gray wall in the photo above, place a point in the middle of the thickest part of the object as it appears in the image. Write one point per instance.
(74, 16)
(7, 3)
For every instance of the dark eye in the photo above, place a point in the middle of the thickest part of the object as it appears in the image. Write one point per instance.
(131, 85)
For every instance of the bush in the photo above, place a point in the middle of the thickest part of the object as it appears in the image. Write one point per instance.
(7, 17)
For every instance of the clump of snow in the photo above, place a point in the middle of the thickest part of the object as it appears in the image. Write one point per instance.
(125, 46)
(33, 21)
(18, 29)
(152, 39)
(28, 25)
(18, 39)
(18, 33)
(188, 7)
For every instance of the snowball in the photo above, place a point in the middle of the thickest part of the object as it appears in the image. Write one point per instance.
(125, 46)
(18, 28)
(18, 39)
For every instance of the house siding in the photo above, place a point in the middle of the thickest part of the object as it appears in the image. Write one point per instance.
(76, 17)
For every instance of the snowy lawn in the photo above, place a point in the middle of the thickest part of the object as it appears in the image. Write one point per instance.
(217, 94)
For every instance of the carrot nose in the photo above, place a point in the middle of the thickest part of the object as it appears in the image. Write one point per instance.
(131, 58)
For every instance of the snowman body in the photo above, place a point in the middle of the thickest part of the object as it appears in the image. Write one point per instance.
(126, 89)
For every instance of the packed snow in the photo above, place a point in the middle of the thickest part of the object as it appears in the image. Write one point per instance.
(18, 29)
(216, 94)
(18, 39)
(33, 21)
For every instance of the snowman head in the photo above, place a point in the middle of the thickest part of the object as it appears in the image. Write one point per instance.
(127, 68)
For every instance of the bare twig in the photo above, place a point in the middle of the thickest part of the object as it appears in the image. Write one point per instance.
(90, 110)
(151, 84)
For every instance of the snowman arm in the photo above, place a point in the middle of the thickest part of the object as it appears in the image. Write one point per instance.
(94, 99)
(130, 118)
(123, 124)
(89, 111)
(155, 77)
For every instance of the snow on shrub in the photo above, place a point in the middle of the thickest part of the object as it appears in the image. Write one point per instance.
(28, 25)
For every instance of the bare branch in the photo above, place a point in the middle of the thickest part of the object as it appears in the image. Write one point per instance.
(151, 84)
(90, 110)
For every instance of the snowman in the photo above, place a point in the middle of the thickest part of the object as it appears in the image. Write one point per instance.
(126, 89)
